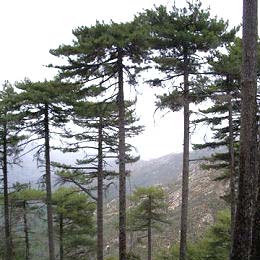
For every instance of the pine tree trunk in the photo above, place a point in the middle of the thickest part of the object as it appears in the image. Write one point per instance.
(255, 252)
(185, 171)
(26, 232)
(100, 242)
(61, 236)
(242, 237)
(232, 163)
(48, 184)
(122, 173)
(149, 235)
(8, 242)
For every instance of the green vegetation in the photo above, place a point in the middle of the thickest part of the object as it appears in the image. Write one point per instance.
(87, 110)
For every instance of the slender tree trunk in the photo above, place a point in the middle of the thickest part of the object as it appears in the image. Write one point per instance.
(48, 184)
(242, 236)
(8, 242)
(122, 173)
(255, 253)
(100, 242)
(232, 163)
(61, 236)
(185, 171)
(26, 232)
(149, 235)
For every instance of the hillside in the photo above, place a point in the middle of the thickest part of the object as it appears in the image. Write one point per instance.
(204, 197)
(162, 170)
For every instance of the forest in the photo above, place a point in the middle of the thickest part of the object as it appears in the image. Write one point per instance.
(204, 70)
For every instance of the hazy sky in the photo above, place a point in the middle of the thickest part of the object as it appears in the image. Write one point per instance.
(30, 28)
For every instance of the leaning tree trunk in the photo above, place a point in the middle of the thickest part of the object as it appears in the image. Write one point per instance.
(48, 184)
(149, 233)
(8, 242)
(26, 232)
(100, 242)
(122, 172)
(185, 170)
(242, 236)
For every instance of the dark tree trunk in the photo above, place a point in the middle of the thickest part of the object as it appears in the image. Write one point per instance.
(26, 232)
(61, 236)
(8, 242)
(100, 242)
(231, 162)
(185, 171)
(242, 236)
(122, 173)
(255, 253)
(48, 184)
(149, 235)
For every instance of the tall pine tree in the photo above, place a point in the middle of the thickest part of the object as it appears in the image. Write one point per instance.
(183, 39)
(100, 55)
(242, 236)
(45, 107)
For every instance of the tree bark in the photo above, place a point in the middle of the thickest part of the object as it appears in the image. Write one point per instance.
(26, 232)
(232, 163)
(185, 170)
(149, 235)
(48, 184)
(100, 242)
(122, 173)
(255, 252)
(61, 236)
(242, 237)
(8, 242)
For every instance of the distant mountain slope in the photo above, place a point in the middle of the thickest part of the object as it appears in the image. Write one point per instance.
(204, 197)
(161, 170)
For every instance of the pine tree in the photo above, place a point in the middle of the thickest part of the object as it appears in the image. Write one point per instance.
(45, 107)
(98, 136)
(148, 210)
(224, 92)
(10, 123)
(242, 236)
(100, 54)
(98, 139)
(21, 199)
(74, 213)
(181, 36)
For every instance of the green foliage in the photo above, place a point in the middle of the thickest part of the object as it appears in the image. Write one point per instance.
(178, 41)
(10, 122)
(180, 36)
(148, 205)
(217, 240)
(93, 55)
(75, 222)
(24, 192)
(214, 246)
(224, 92)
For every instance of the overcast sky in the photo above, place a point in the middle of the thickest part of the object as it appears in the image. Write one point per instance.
(30, 28)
